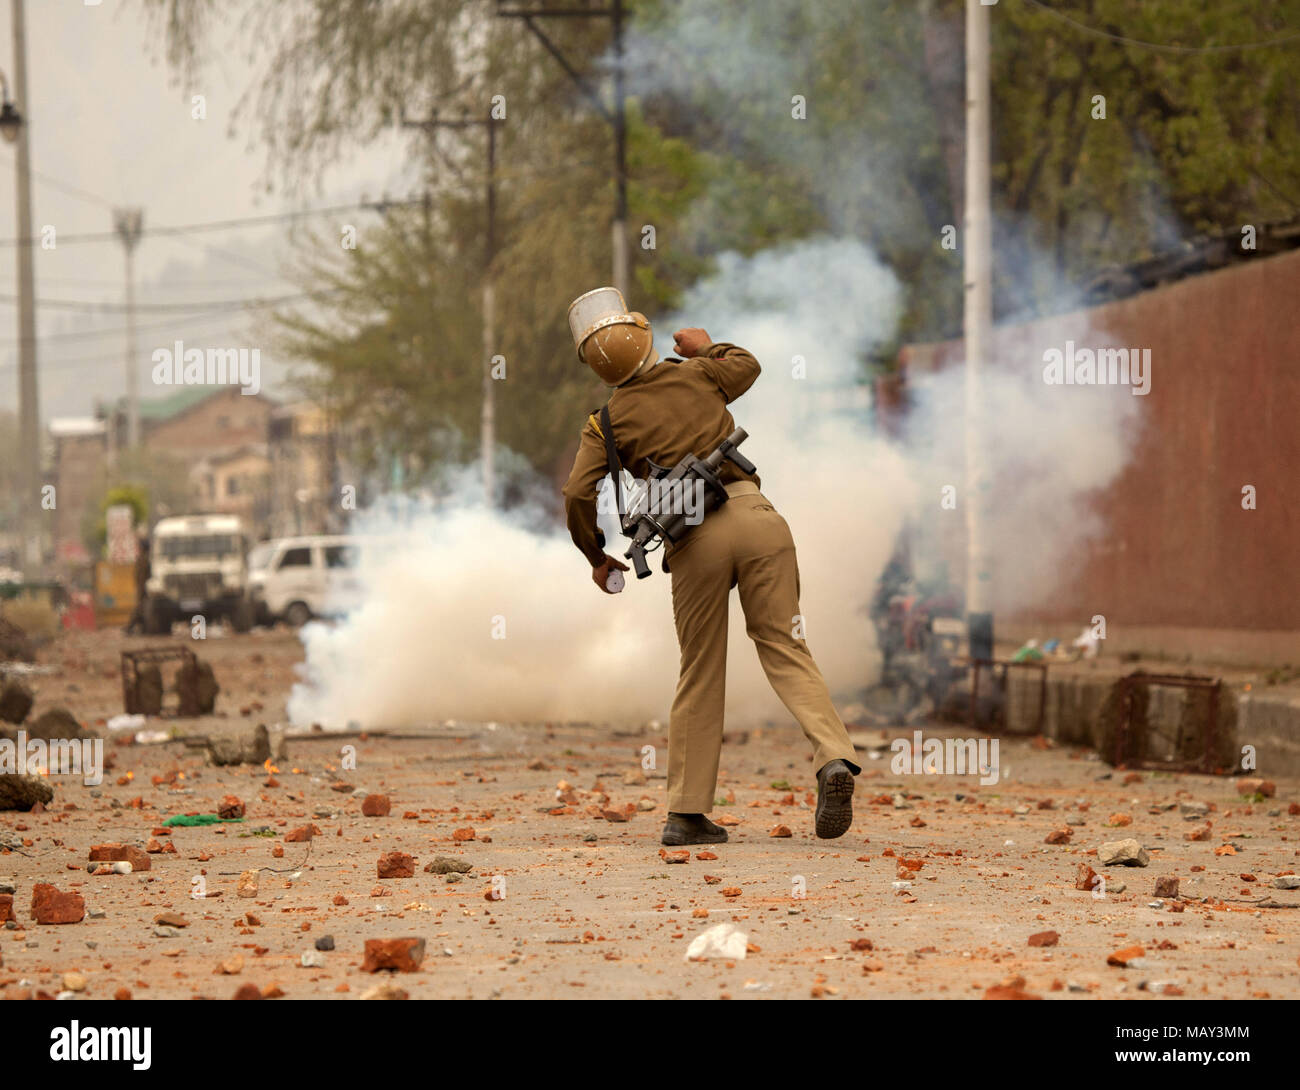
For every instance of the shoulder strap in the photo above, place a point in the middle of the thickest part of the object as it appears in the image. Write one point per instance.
(615, 466)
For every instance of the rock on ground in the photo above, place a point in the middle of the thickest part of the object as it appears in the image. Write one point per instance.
(23, 792)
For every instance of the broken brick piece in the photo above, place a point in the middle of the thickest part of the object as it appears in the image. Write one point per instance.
(1167, 886)
(120, 853)
(230, 807)
(393, 955)
(52, 906)
(376, 805)
(396, 865)
(1121, 958)
(1044, 938)
(1002, 991)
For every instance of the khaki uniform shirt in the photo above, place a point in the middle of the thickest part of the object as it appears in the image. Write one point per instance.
(678, 407)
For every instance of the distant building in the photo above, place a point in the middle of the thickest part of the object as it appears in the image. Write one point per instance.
(235, 482)
(306, 492)
(79, 452)
(203, 421)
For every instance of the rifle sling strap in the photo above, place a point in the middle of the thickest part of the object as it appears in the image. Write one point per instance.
(615, 466)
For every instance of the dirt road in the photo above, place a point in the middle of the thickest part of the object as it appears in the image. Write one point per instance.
(935, 891)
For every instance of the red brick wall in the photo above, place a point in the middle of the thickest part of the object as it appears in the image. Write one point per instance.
(1223, 412)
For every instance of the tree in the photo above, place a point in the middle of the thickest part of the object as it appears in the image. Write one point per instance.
(722, 158)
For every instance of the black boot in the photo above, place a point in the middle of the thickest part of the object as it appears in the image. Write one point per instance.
(834, 800)
(692, 829)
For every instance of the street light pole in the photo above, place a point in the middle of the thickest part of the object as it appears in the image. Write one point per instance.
(619, 225)
(29, 410)
(129, 224)
(977, 322)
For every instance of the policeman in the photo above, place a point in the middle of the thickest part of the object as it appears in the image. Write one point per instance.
(661, 411)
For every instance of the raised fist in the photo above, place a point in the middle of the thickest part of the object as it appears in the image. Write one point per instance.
(691, 342)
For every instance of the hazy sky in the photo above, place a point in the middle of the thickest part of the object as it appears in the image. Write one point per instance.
(111, 126)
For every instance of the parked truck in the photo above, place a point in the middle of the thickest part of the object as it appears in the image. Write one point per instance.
(199, 567)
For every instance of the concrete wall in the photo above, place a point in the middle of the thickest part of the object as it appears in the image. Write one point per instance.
(1267, 720)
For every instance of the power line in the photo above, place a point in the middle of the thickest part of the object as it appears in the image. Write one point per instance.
(124, 308)
(223, 225)
(70, 189)
(1265, 44)
(83, 335)
(188, 324)
(169, 284)
(230, 256)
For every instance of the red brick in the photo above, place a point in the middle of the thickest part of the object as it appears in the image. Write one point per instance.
(396, 865)
(230, 807)
(50, 905)
(376, 806)
(119, 853)
(1001, 991)
(1121, 958)
(396, 955)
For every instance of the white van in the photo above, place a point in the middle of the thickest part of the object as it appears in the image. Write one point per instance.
(297, 578)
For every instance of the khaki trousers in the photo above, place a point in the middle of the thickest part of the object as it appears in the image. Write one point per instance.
(744, 544)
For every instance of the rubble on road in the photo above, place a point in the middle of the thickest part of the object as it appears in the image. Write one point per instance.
(20, 792)
(16, 699)
(1123, 853)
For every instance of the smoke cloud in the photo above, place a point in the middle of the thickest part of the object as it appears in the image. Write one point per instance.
(478, 615)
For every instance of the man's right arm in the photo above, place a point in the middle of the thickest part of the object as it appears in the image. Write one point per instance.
(580, 495)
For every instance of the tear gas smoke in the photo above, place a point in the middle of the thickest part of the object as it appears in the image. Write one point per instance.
(471, 614)
(468, 614)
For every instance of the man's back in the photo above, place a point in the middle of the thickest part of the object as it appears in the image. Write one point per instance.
(661, 415)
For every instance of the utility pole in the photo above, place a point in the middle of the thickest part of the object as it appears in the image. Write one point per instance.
(617, 117)
(977, 325)
(129, 224)
(487, 419)
(29, 407)
(619, 225)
